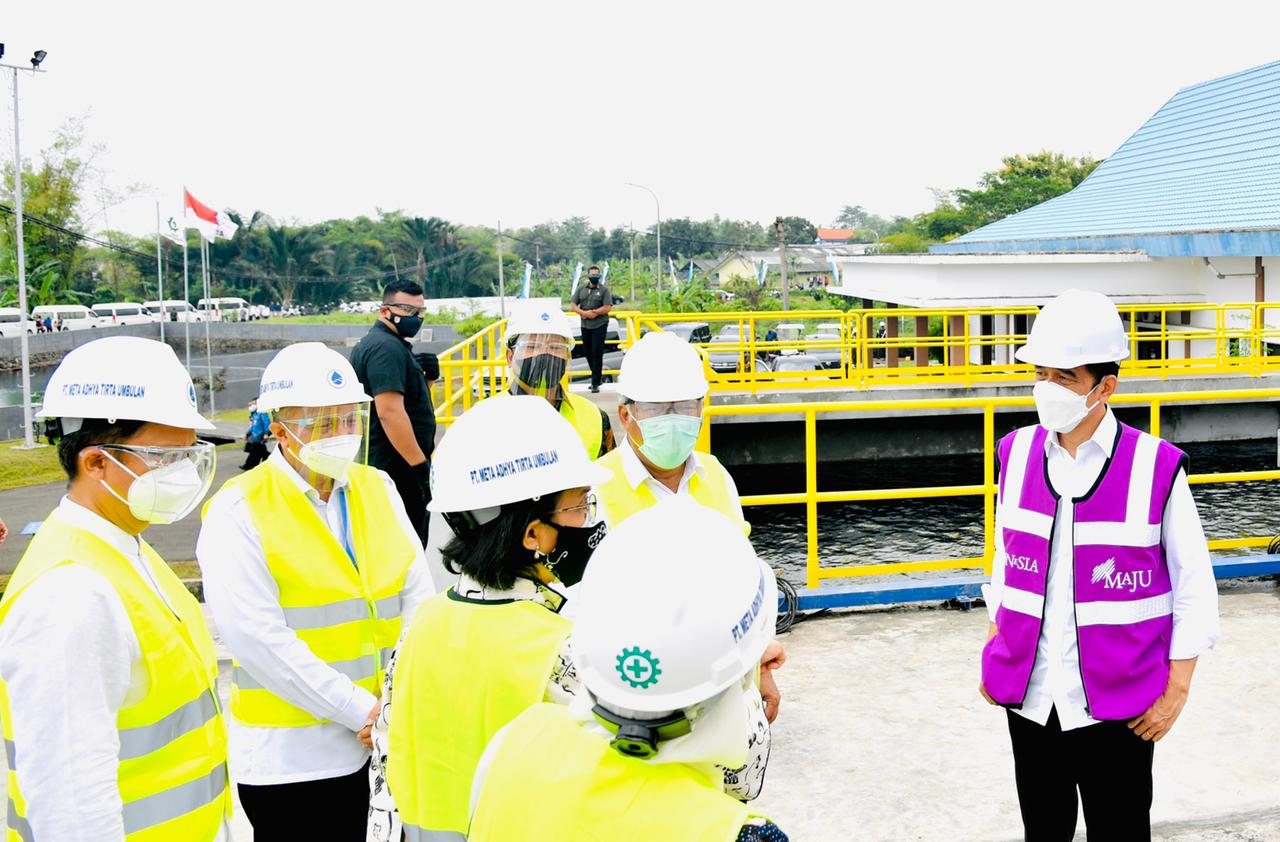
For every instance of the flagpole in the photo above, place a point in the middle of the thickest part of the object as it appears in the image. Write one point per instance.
(208, 343)
(186, 296)
(159, 271)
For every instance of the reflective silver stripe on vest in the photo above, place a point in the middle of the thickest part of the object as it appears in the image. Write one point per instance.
(356, 669)
(322, 616)
(18, 824)
(144, 739)
(388, 608)
(413, 833)
(174, 802)
(11, 755)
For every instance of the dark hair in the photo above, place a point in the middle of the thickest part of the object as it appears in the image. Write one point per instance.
(1101, 370)
(494, 554)
(589, 268)
(395, 287)
(93, 432)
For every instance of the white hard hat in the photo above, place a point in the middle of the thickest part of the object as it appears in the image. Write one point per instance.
(674, 607)
(122, 378)
(506, 449)
(534, 317)
(662, 367)
(309, 374)
(1076, 328)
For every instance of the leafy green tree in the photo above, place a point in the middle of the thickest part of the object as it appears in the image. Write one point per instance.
(1022, 182)
(797, 229)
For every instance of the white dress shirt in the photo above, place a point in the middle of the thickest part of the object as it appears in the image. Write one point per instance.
(1055, 679)
(245, 600)
(71, 660)
(636, 474)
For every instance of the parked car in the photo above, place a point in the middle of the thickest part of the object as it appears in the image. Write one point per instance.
(11, 322)
(122, 313)
(176, 310)
(694, 332)
(826, 357)
(67, 316)
(736, 360)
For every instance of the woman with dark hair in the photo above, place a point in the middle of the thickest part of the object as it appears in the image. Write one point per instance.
(512, 481)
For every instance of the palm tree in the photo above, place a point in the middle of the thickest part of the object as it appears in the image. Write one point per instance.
(429, 240)
(291, 252)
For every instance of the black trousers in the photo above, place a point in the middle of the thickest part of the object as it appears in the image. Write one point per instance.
(332, 808)
(415, 493)
(1107, 763)
(593, 349)
(256, 453)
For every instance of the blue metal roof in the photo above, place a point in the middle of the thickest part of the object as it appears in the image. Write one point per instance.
(1201, 177)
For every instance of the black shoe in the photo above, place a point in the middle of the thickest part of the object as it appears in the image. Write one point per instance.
(595, 390)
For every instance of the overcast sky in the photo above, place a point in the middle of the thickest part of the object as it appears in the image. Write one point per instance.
(527, 111)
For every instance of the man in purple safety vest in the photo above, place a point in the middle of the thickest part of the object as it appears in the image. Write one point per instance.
(1102, 593)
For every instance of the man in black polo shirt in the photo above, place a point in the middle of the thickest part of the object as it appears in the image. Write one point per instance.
(402, 423)
(593, 303)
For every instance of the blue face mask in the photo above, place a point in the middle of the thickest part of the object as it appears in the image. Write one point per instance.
(669, 439)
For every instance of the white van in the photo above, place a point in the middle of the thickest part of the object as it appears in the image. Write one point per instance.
(224, 309)
(67, 316)
(11, 322)
(122, 313)
(175, 310)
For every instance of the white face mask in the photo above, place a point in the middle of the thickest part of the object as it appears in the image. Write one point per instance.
(331, 457)
(163, 495)
(1060, 409)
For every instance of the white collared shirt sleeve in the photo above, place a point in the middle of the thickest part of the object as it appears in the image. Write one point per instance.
(1195, 591)
(67, 650)
(245, 601)
(418, 583)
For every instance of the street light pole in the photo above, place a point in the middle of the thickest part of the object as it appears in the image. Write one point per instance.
(28, 434)
(781, 231)
(658, 266)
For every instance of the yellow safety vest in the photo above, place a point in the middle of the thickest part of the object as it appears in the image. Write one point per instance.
(173, 746)
(552, 779)
(347, 613)
(710, 487)
(465, 669)
(585, 418)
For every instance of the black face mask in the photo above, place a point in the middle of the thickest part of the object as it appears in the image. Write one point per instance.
(574, 546)
(540, 375)
(593, 281)
(407, 326)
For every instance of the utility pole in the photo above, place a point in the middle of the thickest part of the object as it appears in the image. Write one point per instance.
(502, 284)
(780, 230)
(633, 266)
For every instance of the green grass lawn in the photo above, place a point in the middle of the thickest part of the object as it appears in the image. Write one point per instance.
(327, 319)
(28, 467)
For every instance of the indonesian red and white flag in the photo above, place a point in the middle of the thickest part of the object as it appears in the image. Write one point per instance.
(210, 223)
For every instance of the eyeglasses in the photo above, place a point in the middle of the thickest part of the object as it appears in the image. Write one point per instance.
(642, 410)
(158, 457)
(322, 426)
(591, 507)
(407, 309)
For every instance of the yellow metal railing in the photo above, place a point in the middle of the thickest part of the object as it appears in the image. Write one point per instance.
(760, 351)
(811, 497)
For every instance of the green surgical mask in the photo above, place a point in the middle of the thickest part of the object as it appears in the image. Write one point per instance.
(669, 439)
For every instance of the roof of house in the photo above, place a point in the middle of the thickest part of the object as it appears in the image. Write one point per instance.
(806, 259)
(1200, 178)
(838, 235)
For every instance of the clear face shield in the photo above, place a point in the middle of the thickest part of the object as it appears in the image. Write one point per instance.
(327, 439)
(539, 365)
(169, 482)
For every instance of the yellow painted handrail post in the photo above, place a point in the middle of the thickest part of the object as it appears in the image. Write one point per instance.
(1155, 416)
(989, 480)
(811, 493)
(1164, 344)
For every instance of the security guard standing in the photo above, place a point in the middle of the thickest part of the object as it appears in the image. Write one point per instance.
(661, 392)
(1102, 593)
(669, 696)
(310, 563)
(112, 726)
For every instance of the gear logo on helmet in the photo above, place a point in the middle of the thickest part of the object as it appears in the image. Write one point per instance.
(336, 380)
(639, 668)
